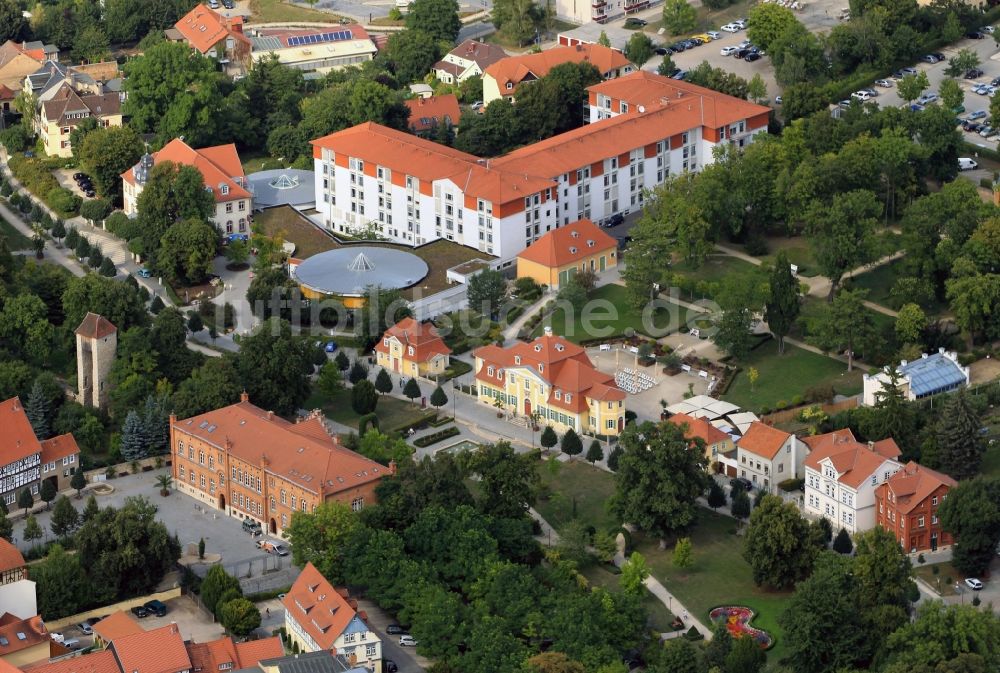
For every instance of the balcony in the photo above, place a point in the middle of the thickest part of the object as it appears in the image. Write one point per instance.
(597, 4)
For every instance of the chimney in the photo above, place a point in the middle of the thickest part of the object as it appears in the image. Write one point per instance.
(244, 396)
(871, 446)
(548, 330)
(270, 415)
(392, 467)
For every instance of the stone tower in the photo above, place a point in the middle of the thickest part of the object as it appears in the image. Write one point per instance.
(96, 343)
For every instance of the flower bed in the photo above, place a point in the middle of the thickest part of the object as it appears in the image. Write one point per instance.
(737, 620)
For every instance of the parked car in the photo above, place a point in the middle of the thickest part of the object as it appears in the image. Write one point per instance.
(973, 73)
(929, 58)
(845, 104)
(987, 131)
(633, 22)
(981, 89)
(395, 630)
(926, 98)
(140, 611)
(907, 71)
(389, 666)
(741, 482)
(978, 114)
(967, 164)
(79, 176)
(678, 47)
(731, 28)
(884, 83)
(156, 607)
(975, 35)
(680, 74)
(741, 23)
(330, 347)
(861, 95)
(252, 528)
(916, 107)
(228, 4)
(777, 100)
(144, 272)
(743, 52)
(752, 56)
(406, 640)
(272, 547)
(213, 4)
(986, 29)
(973, 583)
(714, 34)
(971, 127)
(938, 55)
(85, 628)
(89, 193)
(478, 105)
(661, 51)
(614, 220)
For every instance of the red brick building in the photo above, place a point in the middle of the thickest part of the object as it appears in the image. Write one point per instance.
(907, 505)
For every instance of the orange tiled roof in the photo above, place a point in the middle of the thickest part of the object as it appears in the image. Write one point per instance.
(59, 447)
(763, 440)
(158, 651)
(425, 113)
(516, 69)
(218, 166)
(18, 634)
(10, 556)
(18, 439)
(421, 335)
(560, 363)
(117, 625)
(699, 427)
(317, 607)
(95, 327)
(203, 28)
(854, 462)
(102, 661)
(299, 454)
(253, 651)
(568, 244)
(914, 483)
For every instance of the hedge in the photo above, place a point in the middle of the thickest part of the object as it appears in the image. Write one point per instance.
(37, 179)
(439, 422)
(436, 437)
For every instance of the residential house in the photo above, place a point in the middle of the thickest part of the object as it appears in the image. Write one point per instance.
(842, 475)
(315, 51)
(114, 626)
(252, 464)
(469, 59)
(930, 375)
(426, 114)
(17, 61)
(222, 171)
(25, 462)
(13, 567)
(412, 348)
(908, 507)
(716, 441)
(17, 592)
(552, 379)
(502, 79)
(94, 79)
(22, 640)
(767, 456)
(562, 253)
(319, 617)
(216, 36)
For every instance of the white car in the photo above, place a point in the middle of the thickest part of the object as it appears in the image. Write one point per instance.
(986, 29)
(973, 583)
(926, 98)
(742, 23)
(729, 51)
(861, 95)
(884, 83)
(406, 640)
(731, 28)
(967, 164)
(714, 34)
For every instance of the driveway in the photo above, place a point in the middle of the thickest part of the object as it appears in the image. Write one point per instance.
(64, 176)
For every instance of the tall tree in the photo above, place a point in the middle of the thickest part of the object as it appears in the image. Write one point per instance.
(768, 23)
(63, 585)
(319, 537)
(679, 17)
(971, 513)
(781, 309)
(843, 234)
(12, 22)
(944, 633)
(846, 324)
(65, 518)
(239, 617)
(274, 367)
(187, 251)
(438, 18)
(47, 492)
(776, 544)
(133, 437)
(960, 445)
(741, 300)
(412, 54)
(659, 479)
(639, 48)
(108, 152)
(508, 480)
(39, 411)
(486, 291)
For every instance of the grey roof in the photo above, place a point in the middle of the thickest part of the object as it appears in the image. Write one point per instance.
(282, 187)
(312, 662)
(591, 32)
(347, 271)
(265, 43)
(933, 374)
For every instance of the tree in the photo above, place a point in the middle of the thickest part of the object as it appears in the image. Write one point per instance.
(79, 481)
(411, 389)
(776, 544)
(90, 510)
(966, 59)
(952, 95)
(842, 544)
(508, 480)
(187, 250)
(133, 437)
(384, 448)
(164, 482)
(518, 20)
(195, 323)
(960, 445)
(719, 647)
(32, 531)
(358, 373)
(237, 252)
(412, 54)
(740, 301)
(330, 381)
(12, 22)
(679, 17)
(364, 397)
(639, 48)
(944, 633)
(39, 411)
(108, 268)
(882, 571)
(58, 230)
(342, 361)
(62, 584)
(745, 656)
(217, 582)
(756, 88)
(768, 23)
(119, 302)
(213, 385)
(845, 324)
(571, 444)
(65, 518)
(603, 39)
(25, 500)
(320, 537)
(911, 86)
(95, 209)
(438, 398)
(47, 492)
(781, 309)
(6, 527)
(972, 515)
(683, 554)
(274, 367)
(659, 479)
(716, 496)
(552, 662)
(486, 291)
(548, 438)
(740, 505)
(843, 234)
(634, 574)
(910, 324)
(438, 18)
(201, 548)
(680, 655)
(239, 616)
(595, 452)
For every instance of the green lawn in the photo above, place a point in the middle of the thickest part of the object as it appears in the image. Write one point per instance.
(713, 270)
(258, 162)
(581, 484)
(785, 376)
(940, 581)
(798, 252)
(659, 617)
(15, 239)
(266, 11)
(392, 413)
(879, 282)
(612, 317)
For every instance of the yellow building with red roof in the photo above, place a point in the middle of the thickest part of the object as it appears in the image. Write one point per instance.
(412, 348)
(553, 378)
(716, 441)
(562, 253)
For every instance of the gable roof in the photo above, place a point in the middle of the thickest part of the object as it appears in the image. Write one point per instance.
(568, 244)
(763, 440)
(17, 441)
(218, 165)
(117, 625)
(10, 556)
(699, 427)
(425, 113)
(483, 54)
(913, 484)
(516, 69)
(18, 634)
(303, 453)
(158, 651)
(423, 336)
(854, 462)
(317, 607)
(68, 108)
(95, 326)
(224, 654)
(102, 661)
(203, 28)
(57, 448)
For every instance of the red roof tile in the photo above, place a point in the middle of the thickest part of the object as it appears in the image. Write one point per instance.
(253, 651)
(59, 447)
(854, 462)
(116, 625)
(203, 28)
(569, 244)
(425, 113)
(95, 327)
(763, 440)
(158, 651)
(516, 69)
(317, 607)
(96, 662)
(699, 427)
(218, 166)
(10, 556)
(20, 634)
(18, 439)
(913, 484)
(421, 335)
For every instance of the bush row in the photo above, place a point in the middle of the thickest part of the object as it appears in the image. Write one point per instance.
(436, 437)
(36, 178)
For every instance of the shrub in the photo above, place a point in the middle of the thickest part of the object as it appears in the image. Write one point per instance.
(63, 201)
(790, 485)
(797, 400)
(986, 183)
(780, 404)
(765, 410)
(38, 180)
(436, 437)
(820, 393)
(693, 634)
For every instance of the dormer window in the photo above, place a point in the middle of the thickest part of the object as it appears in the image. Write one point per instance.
(490, 370)
(569, 397)
(538, 348)
(224, 188)
(560, 347)
(558, 394)
(541, 368)
(572, 250)
(385, 342)
(409, 350)
(517, 359)
(590, 244)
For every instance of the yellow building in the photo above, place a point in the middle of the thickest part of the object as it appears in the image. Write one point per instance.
(554, 379)
(716, 441)
(560, 254)
(58, 116)
(412, 348)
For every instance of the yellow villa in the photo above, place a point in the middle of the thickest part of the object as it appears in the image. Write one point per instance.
(554, 378)
(560, 254)
(412, 348)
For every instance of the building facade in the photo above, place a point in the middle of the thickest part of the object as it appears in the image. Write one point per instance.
(96, 345)
(907, 506)
(562, 253)
(319, 617)
(25, 461)
(767, 456)
(222, 171)
(842, 475)
(932, 374)
(469, 59)
(552, 380)
(250, 463)
(503, 78)
(412, 348)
